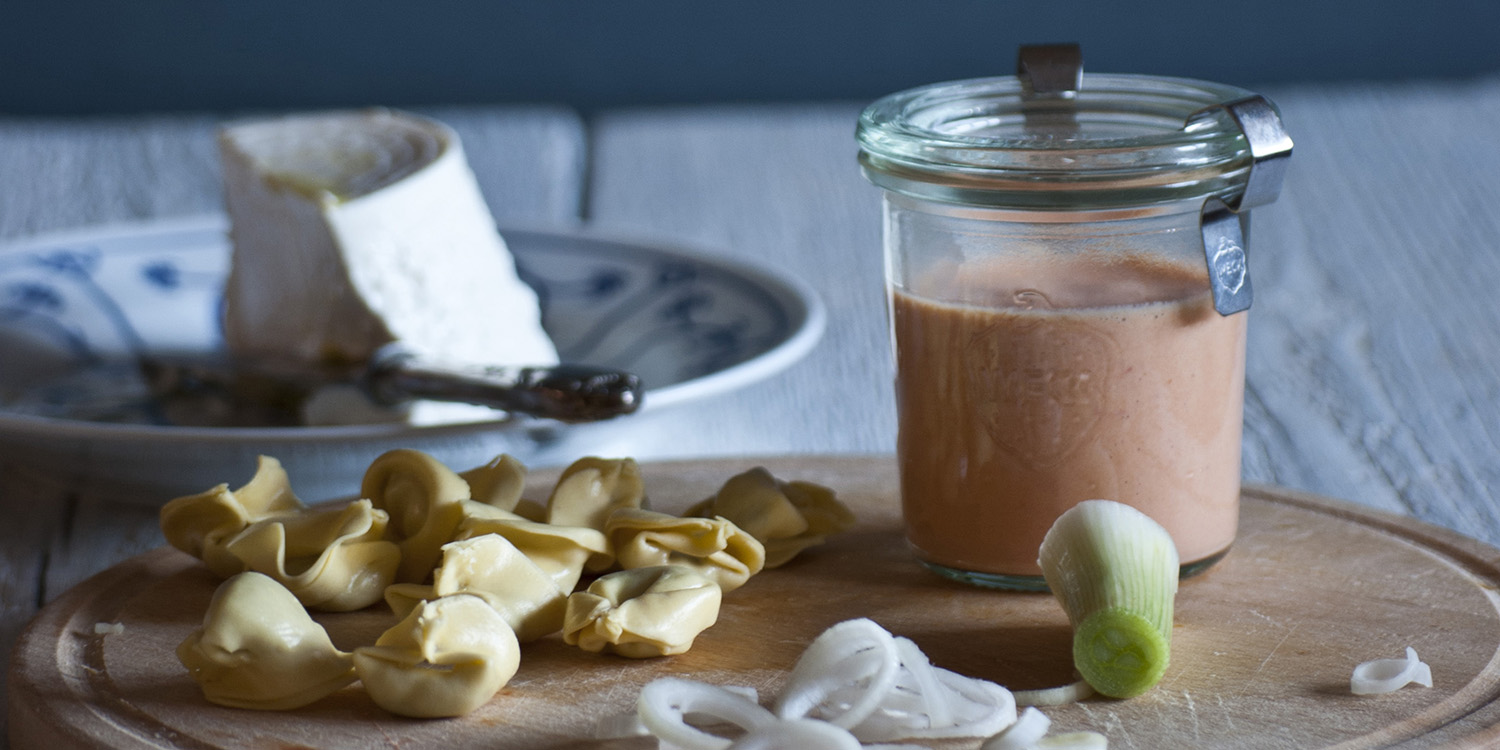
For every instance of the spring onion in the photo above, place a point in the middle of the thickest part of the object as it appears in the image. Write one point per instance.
(1114, 570)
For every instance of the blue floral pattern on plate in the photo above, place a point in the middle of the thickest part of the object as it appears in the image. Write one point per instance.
(678, 319)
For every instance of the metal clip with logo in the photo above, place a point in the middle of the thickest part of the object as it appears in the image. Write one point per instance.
(1226, 222)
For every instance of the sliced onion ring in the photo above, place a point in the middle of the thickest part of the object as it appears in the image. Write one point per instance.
(1073, 741)
(853, 652)
(665, 703)
(930, 702)
(1056, 696)
(1389, 675)
(803, 734)
(1029, 728)
(617, 726)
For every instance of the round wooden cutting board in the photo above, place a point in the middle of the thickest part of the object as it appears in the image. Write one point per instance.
(1262, 652)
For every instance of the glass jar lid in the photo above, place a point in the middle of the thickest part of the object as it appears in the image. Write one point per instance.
(1121, 141)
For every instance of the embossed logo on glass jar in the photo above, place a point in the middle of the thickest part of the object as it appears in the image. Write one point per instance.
(1038, 382)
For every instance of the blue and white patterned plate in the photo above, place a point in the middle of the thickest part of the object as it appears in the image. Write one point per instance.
(692, 326)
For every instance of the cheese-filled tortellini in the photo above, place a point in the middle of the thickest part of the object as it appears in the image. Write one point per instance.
(643, 612)
(714, 547)
(787, 517)
(564, 552)
(498, 483)
(592, 488)
(333, 559)
(490, 567)
(200, 524)
(424, 499)
(258, 648)
(446, 658)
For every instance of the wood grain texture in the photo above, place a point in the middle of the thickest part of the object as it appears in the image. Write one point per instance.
(1262, 651)
(65, 173)
(26, 535)
(1374, 367)
(779, 186)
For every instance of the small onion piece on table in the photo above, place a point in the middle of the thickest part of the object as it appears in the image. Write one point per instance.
(1074, 741)
(1061, 695)
(1389, 675)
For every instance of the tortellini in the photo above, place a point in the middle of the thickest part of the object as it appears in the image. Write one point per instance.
(643, 612)
(564, 552)
(447, 658)
(524, 569)
(714, 547)
(200, 524)
(498, 483)
(493, 569)
(333, 559)
(592, 488)
(471, 569)
(424, 498)
(787, 517)
(258, 648)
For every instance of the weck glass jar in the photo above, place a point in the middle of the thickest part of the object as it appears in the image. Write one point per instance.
(1067, 283)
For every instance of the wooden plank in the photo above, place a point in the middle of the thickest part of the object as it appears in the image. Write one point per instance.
(1372, 355)
(777, 186)
(36, 511)
(1263, 647)
(64, 173)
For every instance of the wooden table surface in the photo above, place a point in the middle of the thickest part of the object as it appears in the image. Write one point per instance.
(1374, 363)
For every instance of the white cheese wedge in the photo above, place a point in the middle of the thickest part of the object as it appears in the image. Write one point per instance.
(352, 230)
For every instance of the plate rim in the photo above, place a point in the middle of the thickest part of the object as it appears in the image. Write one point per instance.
(806, 312)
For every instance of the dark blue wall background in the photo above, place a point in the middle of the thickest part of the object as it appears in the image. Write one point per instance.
(116, 56)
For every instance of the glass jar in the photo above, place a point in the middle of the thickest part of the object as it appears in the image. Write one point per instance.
(1066, 281)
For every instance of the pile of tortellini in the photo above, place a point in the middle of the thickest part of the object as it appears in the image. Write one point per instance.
(471, 570)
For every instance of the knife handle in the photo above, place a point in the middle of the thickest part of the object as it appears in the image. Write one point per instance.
(566, 392)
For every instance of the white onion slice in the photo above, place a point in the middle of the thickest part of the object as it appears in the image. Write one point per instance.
(855, 677)
(1028, 729)
(931, 702)
(935, 700)
(1390, 675)
(1057, 696)
(1074, 741)
(665, 704)
(852, 653)
(619, 726)
(802, 734)
(981, 707)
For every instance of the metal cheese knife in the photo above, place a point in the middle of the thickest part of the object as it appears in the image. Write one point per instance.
(254, 390)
